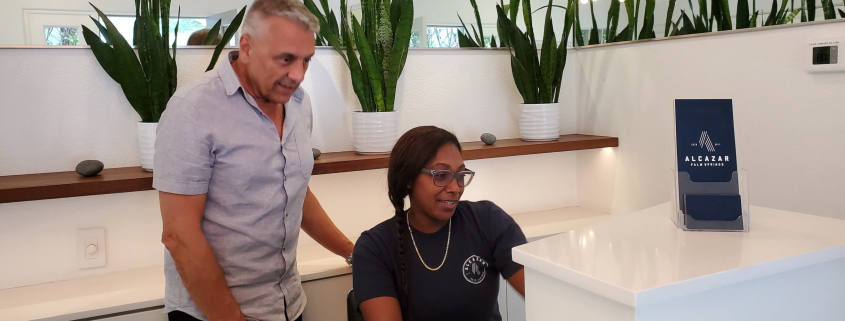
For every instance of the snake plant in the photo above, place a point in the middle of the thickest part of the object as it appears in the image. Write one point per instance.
(538, 79)
(467, 41)
(148, 79)
(382, 39)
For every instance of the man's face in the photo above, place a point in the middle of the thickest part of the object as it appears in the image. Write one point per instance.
(277, 58)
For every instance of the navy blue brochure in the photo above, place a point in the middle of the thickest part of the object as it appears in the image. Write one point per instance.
(713, 207)
(704, 130)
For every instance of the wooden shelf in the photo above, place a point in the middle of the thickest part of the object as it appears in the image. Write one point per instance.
(132, 179)
(69, 184)
(350, 161)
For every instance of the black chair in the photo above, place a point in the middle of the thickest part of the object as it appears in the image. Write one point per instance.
(352, 313)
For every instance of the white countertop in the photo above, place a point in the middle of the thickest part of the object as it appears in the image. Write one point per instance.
(642, 258)
(144, 288)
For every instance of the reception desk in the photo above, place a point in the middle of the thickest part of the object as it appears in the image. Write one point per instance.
(639, 266)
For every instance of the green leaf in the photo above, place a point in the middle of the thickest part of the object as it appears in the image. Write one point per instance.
(688, 28)
(121, 63)
(371, 68)
(548, 61)
(613, 21)
(529, 25)
(465, 42)
(624, 35)
(227, 36)
(773, 15)
(743, 18)
(478, 23)
(326, 31)
(827, 8)
(524, 82)
(172, 63)
(523, 77)
(648, 25)
(594, 33)
(355, 68)
(791, 16)
(400, 51)
(841, 13)
(212, 34)
(514, 9)
(811, 10)
(579, 35)
(103, 31)
(726, 15)
(781, 13)
(669, 15)
(493, 42)
(753, 22)
(629, 8)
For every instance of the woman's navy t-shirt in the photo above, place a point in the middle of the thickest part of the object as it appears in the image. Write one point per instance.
(466, 287)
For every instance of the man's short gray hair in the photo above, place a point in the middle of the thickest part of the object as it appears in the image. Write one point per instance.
(290, 9)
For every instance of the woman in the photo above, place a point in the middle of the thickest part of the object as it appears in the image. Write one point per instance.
(440, 259)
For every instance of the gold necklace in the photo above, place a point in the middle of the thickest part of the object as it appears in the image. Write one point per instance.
(448, 239)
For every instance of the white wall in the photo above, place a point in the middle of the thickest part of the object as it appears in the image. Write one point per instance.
(788, 121)
(59, 107)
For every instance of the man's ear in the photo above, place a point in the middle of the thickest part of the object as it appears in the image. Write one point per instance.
(245, 47)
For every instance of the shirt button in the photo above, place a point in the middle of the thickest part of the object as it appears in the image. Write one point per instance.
(286, 214)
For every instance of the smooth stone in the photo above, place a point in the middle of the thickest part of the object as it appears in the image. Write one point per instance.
(488, 138)
(89, 168)
(316, 153)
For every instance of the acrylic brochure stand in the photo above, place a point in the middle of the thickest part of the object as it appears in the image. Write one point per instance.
(684, 187)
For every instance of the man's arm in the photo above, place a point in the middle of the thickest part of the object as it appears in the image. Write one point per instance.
(196, 263)
(320, 227)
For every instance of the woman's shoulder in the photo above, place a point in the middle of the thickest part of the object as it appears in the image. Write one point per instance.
(484, 210)
(382, 234)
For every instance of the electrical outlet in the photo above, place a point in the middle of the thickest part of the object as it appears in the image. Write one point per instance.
(91, 248)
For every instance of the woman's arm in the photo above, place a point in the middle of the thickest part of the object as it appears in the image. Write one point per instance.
(383, 308)
(517, 281)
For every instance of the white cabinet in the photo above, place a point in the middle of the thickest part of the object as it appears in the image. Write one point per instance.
(326, 298)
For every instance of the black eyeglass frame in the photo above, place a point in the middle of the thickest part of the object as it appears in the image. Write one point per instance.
(454, 176)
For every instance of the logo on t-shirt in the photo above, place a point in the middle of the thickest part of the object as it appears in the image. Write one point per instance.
(475, 268)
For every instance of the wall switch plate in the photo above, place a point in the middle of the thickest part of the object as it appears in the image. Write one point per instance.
(91, 248)
(824, 55)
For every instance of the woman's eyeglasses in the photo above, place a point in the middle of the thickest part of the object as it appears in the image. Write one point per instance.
(443, 177)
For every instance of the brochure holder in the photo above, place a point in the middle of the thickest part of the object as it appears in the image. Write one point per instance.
(710, 190)
(720, 199)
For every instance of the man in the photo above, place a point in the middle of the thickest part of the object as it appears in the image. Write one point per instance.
(232, 164)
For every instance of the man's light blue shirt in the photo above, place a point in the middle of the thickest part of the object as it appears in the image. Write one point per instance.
(213, 139)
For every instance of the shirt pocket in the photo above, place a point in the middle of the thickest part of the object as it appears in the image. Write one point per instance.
(306, 156)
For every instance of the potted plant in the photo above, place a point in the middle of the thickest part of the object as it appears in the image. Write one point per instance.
(538, 79)
(148, 79)
(382, 39)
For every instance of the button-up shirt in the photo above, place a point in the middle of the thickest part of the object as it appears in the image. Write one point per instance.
(213, 139)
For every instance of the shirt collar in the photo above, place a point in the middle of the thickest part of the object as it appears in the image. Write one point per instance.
(227, 74)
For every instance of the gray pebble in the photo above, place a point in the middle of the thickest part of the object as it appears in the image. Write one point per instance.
(89, 168)
(316, 153)
(488, 138)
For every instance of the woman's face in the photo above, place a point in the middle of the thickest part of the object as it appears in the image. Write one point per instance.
(438, 203)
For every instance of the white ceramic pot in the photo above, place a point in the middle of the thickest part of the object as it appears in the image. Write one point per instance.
(539, 122)
(146, 144)
(374, 133)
